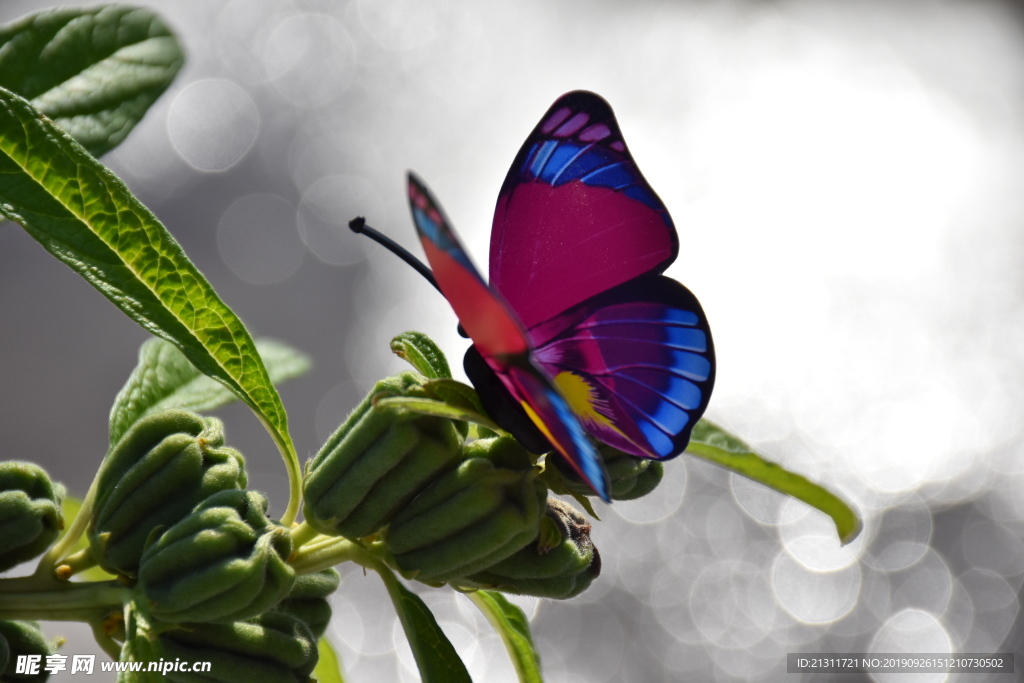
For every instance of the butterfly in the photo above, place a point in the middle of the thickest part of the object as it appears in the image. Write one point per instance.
(578, 333)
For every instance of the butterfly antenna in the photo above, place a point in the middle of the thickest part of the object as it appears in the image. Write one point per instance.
(358, 225)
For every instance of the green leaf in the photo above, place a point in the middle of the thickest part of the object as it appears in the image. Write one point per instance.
(328, 667)
(436, 659)
(85, 216)
(164, 378)
(94, 71)
(422, 353)
(454, 393)
(712, 443)
(514, 628)
(428, 406)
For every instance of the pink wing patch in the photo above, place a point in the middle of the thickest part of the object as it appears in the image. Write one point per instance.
(575, 217)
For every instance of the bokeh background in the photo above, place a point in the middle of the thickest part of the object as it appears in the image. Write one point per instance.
(846, 182)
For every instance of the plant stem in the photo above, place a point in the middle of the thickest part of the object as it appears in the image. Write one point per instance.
(48, 562)
(73, 564)
(109, 645)
(302, 534)
(61, 601)
(291, 465)
(318, 556)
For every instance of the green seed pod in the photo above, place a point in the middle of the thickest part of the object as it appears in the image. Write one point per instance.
(308, 600)
(468, 518)
(224, 562)
(163, 467)
(376, 462)
(272, 648)
(22, 638)
(562, 571)
(631, 477)
(30, 515)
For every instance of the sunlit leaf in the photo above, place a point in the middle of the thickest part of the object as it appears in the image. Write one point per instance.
(328, 667)
(512, 625)
(164, 379)
(85, 216)
(94, 70)
(437, 660)
(712, 443)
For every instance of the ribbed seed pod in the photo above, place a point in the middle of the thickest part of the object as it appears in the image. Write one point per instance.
(376, 462)
(30, 515)
(272, 648)
(163, 467)
(561, 572)
(224, 562)
(471, 517)
(19, 638)
(631, 477)
(308, 600)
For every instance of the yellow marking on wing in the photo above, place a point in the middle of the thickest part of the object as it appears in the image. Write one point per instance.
(540, 423)
(582, 398)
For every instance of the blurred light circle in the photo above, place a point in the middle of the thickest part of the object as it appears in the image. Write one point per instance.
(402, 24)
(872, 606)
(763, 504)
(959, 617)
(326, 146)
(988, 545)
(911, 631)
(310, 58)
(996, 609)
(325, 210)
(241, 32)
(346, 626)
(660, 503)
(491, 661)
(358, 620)
(732, 604)
(680, 546)
(725, 529)
(811, 539)
(748, 663)
(599, 624)
(258, 239)
(790, 631)
(814, 597)
(669, 597)
(685, 662)
(557, 629)
(363, 667)
(927, 585)
(212, 124)
(627, 559)
(900, 537)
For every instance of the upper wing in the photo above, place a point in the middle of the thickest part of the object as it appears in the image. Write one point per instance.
(486, 318)
(574, 216)
(500, 339)
(636, 364)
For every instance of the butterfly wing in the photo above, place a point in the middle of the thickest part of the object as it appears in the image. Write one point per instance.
(636, 364)
(500, 339)
(577, 248)
(575, 217)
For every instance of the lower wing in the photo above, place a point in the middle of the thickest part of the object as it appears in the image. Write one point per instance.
(635, 363)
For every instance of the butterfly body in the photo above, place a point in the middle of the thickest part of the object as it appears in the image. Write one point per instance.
(578, 329)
